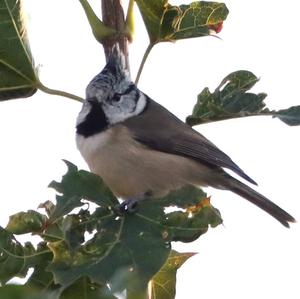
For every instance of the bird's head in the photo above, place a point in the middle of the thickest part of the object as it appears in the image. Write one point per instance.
(114, 93)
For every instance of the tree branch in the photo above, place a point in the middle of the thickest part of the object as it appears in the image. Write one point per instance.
(113, 17)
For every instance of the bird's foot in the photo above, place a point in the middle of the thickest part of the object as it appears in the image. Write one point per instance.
(128, 206)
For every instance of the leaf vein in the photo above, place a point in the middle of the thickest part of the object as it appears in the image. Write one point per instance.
(17, 30)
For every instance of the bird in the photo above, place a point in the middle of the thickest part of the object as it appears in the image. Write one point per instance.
(142, 151)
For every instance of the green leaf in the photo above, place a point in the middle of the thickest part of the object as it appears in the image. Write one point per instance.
(40, 279)
(115, 254)
(73, 231)
(232, 99)
(17, 74)
(129, 24)
(22, 292)
(183, 197)
(85, 289)
(163, 284)
(152, 13)
(15, 259)
(237, 82)
(100, 31)
(290, 116)
(189, 225)
(11, 256)
(26, 222)
(77, 185)
(165, 22)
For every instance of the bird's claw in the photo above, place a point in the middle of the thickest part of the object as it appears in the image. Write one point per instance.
(128, 206)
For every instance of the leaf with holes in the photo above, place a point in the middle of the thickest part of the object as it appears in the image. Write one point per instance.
(17, 74)
(40, 278)
(232, 99)
(16, 259)
(12, 259)
(77, 185)
(185, 225)
(163, 284)
(115, 254)
(189, 225)
(184, 197)
(26, 222)
(165, 22)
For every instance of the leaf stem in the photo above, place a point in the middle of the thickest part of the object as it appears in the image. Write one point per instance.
(146, 54)
(24, 256)
(56, 92)
(205, 118)
(191, 229)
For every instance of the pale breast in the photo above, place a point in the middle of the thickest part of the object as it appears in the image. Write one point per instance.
(132, 170)
(92, 146)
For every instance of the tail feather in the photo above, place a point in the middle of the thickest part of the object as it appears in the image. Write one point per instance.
(259, 200)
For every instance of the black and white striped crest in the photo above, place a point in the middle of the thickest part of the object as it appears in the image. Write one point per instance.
(113, 94)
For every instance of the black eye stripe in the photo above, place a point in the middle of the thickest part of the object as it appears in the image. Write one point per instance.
(129, 89)
(117, 97)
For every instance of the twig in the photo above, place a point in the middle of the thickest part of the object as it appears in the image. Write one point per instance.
(146, 54)
(59, 92)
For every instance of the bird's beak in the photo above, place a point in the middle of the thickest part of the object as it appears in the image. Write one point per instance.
(92, 100)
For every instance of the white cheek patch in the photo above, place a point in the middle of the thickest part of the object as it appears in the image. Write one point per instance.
(141, 104)
(116, 114)
(85, 110)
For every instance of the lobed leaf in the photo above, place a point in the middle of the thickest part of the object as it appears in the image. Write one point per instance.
(183, 197)
(84, 251)
(40, 279)
(73, 227)
(163, 284)
(189, 225)
(16, 259)
(116, 254)
(26, 222)
(165, 22)
(232, 99)
(11, 256)
(118, 250)
(17, 74)
(77, 185)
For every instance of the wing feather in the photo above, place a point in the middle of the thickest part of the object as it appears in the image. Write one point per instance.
(160, 130)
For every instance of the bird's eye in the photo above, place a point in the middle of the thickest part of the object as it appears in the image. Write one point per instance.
(116, 97)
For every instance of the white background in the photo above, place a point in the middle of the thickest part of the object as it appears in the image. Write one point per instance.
(251, 255)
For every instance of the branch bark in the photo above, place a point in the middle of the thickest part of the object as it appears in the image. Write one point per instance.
(113, 17)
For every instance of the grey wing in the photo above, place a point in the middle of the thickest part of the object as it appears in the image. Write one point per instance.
(159, 129)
